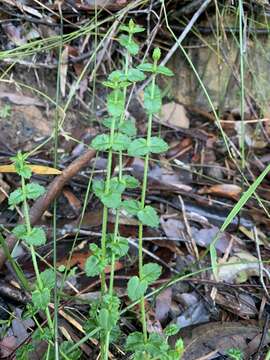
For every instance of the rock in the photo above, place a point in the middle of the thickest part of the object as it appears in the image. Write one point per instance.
(173, 114)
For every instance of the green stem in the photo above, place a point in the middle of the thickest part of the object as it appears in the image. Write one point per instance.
(16, 267)
(104, 342)
(25, 207)
(242, 88)
(55, 163)
(120, 163)
(116, 224)
(32, 250)
(143, 196)
(105, 217)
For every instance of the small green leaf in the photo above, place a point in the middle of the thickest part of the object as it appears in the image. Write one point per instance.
(16, 197)
(132, 28)
(76, 354)
(156, 54)
(116, 103)
(171, 330)
(21, 167)
(179, 346)
(173, 355)
(24, 352)
(131, 206)
(110, 84)
(48, 279)
(131, 46)
(117, 80)
(117, 186)
(136, 288)
(108, 122)
(164, 71)
(137, 29)
(135, 75)
(43, 334)
(117, 76)
(128, 127)
(118, 246)
(148, 216)
(151, 272)
(138, 147)
(135, 341)
(94, 266)
(101, 142)
(158, 145)
(41, 298)
(19, 231)
(130, 181)
(25, 171)
(120, 142)
(157, 345)
(103, 320)
(34, 191)
(111, 200)
(36, 237)
(152, 99)
(98, 187)
(61, 268)
(147, 67)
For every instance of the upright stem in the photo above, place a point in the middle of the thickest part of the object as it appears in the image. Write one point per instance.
(32, 250)
(104, 224)
(242, 87)
(116, 224)
(120, 166)
(143, 196)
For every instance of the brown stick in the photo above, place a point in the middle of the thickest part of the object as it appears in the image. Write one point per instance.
(54, 189)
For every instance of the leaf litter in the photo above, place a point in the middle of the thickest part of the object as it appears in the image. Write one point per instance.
(232, 306)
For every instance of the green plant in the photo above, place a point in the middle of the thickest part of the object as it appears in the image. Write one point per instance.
(121, 138)
(5, 111)
(33, 236)
(104, 313)
(235, 354)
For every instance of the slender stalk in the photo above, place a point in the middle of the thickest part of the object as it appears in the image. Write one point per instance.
(120, 166)
(105, 218)
(32, 250)
(242, 88)
(55, 162)
(16, 267)
(117, 216)
(105, 341)
(143, 196)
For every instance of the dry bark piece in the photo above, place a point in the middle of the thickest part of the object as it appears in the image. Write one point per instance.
(219, 337)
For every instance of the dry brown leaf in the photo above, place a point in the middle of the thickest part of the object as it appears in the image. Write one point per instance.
(79, 259)
(20, 99)
(218, 337)
(163, 304)
(63, 70)
(230, 191)
(73, 201)
(239, 268)
(37, 169)
(7, 346)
